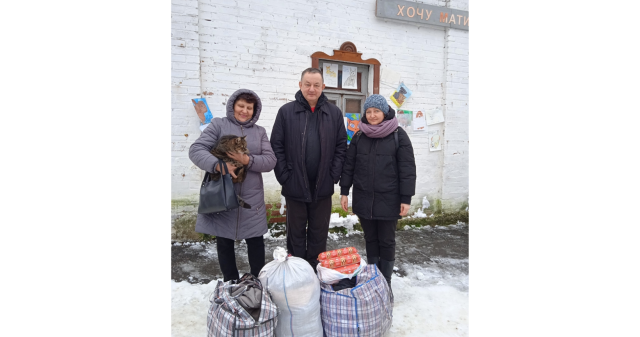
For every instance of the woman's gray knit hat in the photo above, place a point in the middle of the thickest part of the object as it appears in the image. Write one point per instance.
(376, 101)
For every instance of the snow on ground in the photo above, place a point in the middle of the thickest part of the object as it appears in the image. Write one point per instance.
(269, 236)
(419, 214)
(347, 222)
(428, 310)
(431, 300)
(189, 305)
(420, 309)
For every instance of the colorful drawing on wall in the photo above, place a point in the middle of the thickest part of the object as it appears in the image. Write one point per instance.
(435, 140)
(419, 123)
(405, 118)
(434, 116)
(330, 74)
(353, 125)
(202, 109)
(400, 95)
(349, 77)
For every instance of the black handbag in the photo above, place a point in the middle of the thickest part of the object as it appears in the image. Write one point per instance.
(217, 195)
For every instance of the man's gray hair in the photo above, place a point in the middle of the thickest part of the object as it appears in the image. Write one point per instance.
(311, 71)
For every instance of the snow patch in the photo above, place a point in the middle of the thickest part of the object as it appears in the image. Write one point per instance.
(420, 212)
(334, 236)
(283, 202)
(269, 236)
(427, 303)
(189, 305)
(425, 203)
(347, 222)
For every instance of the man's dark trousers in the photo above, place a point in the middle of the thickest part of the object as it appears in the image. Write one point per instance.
(304, 241)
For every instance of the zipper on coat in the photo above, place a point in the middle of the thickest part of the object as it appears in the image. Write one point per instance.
(238, 219)
(304, 164)
(319, 175)
(373, 176)
(239, 194)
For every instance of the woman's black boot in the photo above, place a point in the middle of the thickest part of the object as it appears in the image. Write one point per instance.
(386, 268)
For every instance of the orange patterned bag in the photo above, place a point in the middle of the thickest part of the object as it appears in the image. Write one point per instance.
(342, 261)
(337, 253)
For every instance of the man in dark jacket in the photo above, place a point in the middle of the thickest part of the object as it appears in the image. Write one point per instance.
(310, 141)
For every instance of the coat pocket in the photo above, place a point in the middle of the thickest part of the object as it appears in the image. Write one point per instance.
(291, 187)
(260, 210)
(289, 173)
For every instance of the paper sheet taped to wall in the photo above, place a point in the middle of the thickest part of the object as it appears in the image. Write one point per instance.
(330, 74)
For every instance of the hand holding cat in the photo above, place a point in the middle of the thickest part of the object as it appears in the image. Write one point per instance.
(239, 157)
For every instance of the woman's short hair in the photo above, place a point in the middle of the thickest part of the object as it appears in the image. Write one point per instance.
(247, 97)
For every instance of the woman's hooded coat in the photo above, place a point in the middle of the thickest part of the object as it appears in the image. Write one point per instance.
(240, 223)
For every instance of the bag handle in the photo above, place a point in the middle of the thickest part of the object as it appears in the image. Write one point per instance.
(207, 174)
(225, 167)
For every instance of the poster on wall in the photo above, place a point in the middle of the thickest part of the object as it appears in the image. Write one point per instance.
(400, 95)
(405, 118)
(353, 125)
(435, 141)
(434, 116)
(349, 77)
(419, 123)
(202, 109)
(330, 74)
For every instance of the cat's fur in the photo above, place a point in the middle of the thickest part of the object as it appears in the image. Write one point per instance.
(233, 144)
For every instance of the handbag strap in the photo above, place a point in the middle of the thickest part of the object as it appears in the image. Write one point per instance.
(225, 167)
(207, 174)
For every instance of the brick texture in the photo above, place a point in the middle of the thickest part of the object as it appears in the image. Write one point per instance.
(455, 172)
(185, 85)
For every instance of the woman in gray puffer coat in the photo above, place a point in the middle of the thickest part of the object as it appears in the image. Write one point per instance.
(243, 111)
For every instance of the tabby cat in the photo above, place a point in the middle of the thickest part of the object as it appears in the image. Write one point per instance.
(231, 143)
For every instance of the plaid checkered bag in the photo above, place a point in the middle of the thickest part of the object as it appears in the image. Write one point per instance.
(227, 318)
(364, 310)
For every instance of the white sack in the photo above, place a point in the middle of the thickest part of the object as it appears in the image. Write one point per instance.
(295, 289)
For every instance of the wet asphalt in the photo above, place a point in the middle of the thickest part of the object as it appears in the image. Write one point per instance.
(434, 247)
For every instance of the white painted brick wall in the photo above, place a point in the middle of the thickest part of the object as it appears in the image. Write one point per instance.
(265, 46)
(455, 173)
(185, 85)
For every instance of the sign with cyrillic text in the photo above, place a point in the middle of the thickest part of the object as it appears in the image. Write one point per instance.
(421, 13)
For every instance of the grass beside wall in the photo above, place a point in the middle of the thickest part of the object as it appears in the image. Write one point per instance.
(184, 226)
(442, 219)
